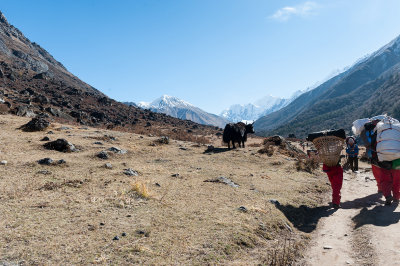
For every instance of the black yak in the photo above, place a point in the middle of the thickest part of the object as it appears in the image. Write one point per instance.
(236, 133)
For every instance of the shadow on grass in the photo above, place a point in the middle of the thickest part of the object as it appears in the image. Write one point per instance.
(304, 218)
(217, 150)
(378, 216)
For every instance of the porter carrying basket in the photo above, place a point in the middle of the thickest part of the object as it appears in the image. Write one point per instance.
(329, 149)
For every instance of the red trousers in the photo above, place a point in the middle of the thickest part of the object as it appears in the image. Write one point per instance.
(390, 182)
(377, 174)
(335, 175)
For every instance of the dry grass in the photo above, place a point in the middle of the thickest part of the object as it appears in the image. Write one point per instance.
(140, 189)
(70, 214)
(308, 165)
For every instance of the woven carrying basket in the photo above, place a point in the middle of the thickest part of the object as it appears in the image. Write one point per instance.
(329, 149)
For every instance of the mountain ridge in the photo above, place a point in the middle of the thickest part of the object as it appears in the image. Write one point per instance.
(341, 99)
(33, 82)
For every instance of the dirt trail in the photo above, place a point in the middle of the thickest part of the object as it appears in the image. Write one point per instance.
(362, 232)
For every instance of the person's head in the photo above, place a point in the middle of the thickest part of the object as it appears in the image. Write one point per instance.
(351, 141)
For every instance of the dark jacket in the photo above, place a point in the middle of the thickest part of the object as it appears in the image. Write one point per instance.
(352, 151)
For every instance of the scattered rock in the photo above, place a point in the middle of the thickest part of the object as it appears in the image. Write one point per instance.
(328, 247)
(108, 166)
(91, 227)
(117, 150)
(116, 238)
(50, 132)
(242, 209)
(157, 184)
(4, 162)
(98, 143)
(274, 201)
(45, 161)
(143, 232)
(210, 148)
(44, 172)
(175, 175)
(109, 137)
(36, 124)
(62, 161)
(163, 140)
(130, 172)
(64, 128)
(103, 155)
(61, 145)
(183, 148)
(45, 139)
(123, 234)
(102, 224)
(223, 180)
(25, 111)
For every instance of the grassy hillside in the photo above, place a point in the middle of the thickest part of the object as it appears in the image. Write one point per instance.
(368, 88)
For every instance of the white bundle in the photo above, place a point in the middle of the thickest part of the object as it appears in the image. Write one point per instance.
(388, 139)
(380, 117)
(358, 125)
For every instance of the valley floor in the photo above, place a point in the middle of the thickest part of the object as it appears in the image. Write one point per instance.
(81, 212)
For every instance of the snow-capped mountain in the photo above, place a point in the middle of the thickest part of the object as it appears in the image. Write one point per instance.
(253, 111)
(183, 110)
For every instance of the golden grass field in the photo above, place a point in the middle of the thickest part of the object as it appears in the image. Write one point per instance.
(70, 214)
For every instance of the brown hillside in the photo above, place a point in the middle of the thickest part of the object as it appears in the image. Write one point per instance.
(32, 82)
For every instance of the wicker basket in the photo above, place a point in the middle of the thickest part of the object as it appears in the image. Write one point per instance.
(329, 149)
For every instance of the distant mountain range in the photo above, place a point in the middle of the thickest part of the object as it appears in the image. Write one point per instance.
(178, 108)
(253, 111)
(370, 87)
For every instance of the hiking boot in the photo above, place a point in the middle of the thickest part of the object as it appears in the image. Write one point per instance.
(396, 201)
(388, 201)
(336, 206)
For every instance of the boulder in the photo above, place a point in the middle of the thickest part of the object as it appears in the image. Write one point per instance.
(130, 172)
(117, 150)
(103, 155)
(36, 124)
(24, 111)
(45, 161)
(61, 145)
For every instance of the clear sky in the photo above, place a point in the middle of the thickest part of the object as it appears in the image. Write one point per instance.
(211, 53)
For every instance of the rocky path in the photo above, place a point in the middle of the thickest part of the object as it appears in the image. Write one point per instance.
(362, 232)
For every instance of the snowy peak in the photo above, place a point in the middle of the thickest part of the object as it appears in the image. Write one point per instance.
(181, 109)
(164, 102)
(169, 101)
(261, 107)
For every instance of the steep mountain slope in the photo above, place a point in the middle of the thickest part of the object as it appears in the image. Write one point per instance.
(183, 110)
(253, 111)
(32, 82)
(367, 88)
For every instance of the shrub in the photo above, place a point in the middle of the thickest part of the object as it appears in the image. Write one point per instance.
(307, 165)
(267, 149)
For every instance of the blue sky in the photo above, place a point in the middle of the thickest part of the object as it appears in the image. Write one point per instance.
(211, 53)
